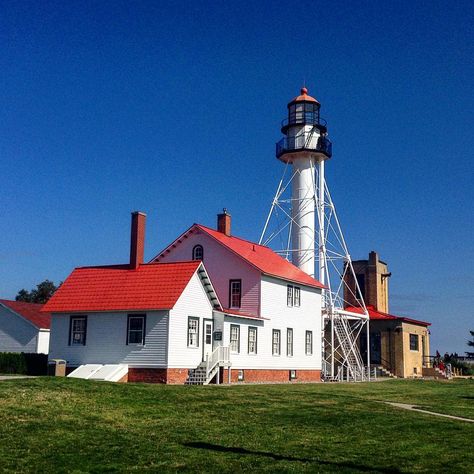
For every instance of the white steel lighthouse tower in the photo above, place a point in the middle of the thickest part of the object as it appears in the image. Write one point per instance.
(307, 231)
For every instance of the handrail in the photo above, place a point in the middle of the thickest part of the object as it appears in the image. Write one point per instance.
(301, 142)
(219, 355)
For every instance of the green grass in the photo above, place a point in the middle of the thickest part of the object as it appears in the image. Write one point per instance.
(65, 425)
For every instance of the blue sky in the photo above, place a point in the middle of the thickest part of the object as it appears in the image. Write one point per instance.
(174, 109)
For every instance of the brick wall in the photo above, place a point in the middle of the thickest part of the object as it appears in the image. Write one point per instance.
(170, 376)
(271, 376)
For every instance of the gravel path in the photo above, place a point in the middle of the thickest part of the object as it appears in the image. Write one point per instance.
(406, 406)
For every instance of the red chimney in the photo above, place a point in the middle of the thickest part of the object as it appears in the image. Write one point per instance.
(137, 239)
(223, 222)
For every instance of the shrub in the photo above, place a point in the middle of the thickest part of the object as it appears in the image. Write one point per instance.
(23, 363)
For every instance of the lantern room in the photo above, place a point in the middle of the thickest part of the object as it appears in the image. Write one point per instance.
(305, 131)
(303, 110)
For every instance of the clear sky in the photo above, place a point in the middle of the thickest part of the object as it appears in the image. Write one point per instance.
(174, 109)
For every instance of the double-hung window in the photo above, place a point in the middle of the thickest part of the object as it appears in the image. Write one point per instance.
(293, 295)
(136, 329)
(78, 330)
(235, 293)
(289, 295)
(289, 342)
(235, 338)
(296, 296)
(276, 342)
(252, 340)
(193, 331)
(309, 342)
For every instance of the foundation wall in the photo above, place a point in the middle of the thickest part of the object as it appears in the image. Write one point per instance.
(270, 376)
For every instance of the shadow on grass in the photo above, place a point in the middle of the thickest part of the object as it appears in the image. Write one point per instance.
(279, 457)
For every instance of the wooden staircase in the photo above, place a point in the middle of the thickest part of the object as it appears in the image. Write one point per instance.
(205, 372)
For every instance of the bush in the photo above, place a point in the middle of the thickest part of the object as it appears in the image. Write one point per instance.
(23, 363)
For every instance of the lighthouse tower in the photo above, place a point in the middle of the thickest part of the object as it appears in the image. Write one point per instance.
(305, 146)
(306, 231)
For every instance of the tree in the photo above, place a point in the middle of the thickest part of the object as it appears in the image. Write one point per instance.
(470, 344)
(40, 294)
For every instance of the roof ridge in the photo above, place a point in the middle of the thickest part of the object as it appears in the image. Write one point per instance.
(238, 238)
(126, 266)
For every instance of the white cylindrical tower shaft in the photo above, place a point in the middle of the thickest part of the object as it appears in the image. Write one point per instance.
(303, 214)
(305, 145)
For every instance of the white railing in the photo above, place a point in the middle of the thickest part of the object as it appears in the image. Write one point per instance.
(220, 356)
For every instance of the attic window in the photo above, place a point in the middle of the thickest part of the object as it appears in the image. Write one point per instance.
(198, 252)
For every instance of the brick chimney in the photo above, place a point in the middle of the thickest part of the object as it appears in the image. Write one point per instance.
(137, 239)
(223, 222)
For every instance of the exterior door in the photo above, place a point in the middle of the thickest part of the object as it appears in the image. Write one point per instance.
(207, 338)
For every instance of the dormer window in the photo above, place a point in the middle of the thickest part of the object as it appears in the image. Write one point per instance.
(198, 252)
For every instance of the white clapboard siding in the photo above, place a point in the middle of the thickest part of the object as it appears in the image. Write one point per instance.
(192, 302)
(280, 316)
(16, 334)
(106, 340)
(221, 265)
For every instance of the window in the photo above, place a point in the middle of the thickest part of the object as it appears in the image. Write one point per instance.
(78, 330)
(289, 295)
(136, 329)
(234, 338)
(296, 296)
(193, 332)
(293, 295)
(413, 342)
(252, 340)
(309, 342)
(198, 252)
(289, 342)
(235, 292)
(276, 342)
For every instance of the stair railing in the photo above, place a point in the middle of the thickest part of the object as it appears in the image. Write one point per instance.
(220, 355)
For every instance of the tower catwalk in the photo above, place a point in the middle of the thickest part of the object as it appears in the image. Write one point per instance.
(303, 223)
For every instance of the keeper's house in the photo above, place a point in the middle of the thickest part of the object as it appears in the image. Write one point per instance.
(210, 307)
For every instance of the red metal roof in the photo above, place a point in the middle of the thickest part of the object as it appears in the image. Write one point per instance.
(152, 286)
(31, 312)
(374, 314)
(261, 257)
(304, 97)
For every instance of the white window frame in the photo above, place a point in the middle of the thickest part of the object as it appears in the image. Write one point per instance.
(297, 296)
(198, 252)
(234, 338)
(309, 343)
(276, 342)
(289, 342)
(252, 330)
(193, 331)
(237, 284)
(289, 296)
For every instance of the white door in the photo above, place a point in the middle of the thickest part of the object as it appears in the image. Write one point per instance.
(207, 343)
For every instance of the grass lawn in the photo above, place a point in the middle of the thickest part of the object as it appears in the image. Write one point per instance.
(66, 425)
